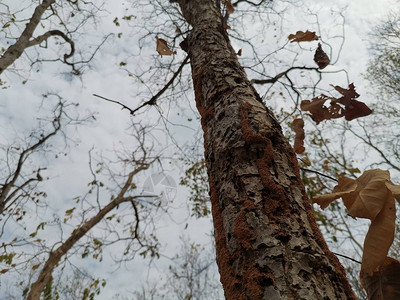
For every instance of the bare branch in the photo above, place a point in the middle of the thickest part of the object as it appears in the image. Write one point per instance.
(55, 256)
(40, 39)
(153, 100)
(278, 76)
(15, 51)
(10, 182)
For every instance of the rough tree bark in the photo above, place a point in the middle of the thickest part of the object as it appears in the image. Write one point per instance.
(268, 244)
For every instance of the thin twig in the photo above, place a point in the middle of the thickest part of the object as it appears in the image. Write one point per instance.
(278, 76)
(344, 256)
(153, 100)
(114, 101)
(319, 173)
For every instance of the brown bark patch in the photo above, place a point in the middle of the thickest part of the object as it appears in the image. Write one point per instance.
(256, 282)
(275, 203)
(245, 281)
(248, 135)
(224, 258)
(205, 113)
(242, 232)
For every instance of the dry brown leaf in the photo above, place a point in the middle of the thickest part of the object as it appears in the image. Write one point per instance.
(385, 281)
(356, 109)
(395, 189)
(320, 112)
(345, 186)
(321, 58)
(344, 106)
(298, 146)
(301, 36)
(229, 7)
(379, 238)
(306, 161)
(367, 194)
(370, 196)
(162, 47)
(348, 93)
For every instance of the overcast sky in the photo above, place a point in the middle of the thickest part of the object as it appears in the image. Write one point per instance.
(21, 110)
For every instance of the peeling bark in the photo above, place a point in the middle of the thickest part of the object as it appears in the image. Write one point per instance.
(268, 243)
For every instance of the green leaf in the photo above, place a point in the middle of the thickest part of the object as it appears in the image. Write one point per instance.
(69, 211)
(97, 242)
(116, 22)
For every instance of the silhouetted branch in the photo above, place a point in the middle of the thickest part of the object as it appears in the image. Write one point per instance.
(153, 100)
(15, 51)
(278, 76)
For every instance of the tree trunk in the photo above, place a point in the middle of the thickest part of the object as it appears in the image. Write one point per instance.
(268, 243)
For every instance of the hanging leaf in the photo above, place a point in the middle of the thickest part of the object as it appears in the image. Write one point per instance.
(370, 196)
(298, 146)
(321, 58)
(162, 47)
(301, 36)
(380, 237)
(347, 93)
(385, 281)
(345, 106)
(320, 112)
(356, 109)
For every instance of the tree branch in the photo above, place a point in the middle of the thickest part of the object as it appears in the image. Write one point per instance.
(55, 256)
(15, 51)
(278, 76)
(9, 184)
(153, 100)
(38, 40)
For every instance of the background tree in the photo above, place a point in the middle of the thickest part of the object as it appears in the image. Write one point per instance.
(191, 275)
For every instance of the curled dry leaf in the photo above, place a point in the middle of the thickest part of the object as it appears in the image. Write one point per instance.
(379, 238)
(229, 7)
(345, 106)
(298, 146)
(162, 47)
(301, 36)
(370, 196)
(321, 58)
(384, 283)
